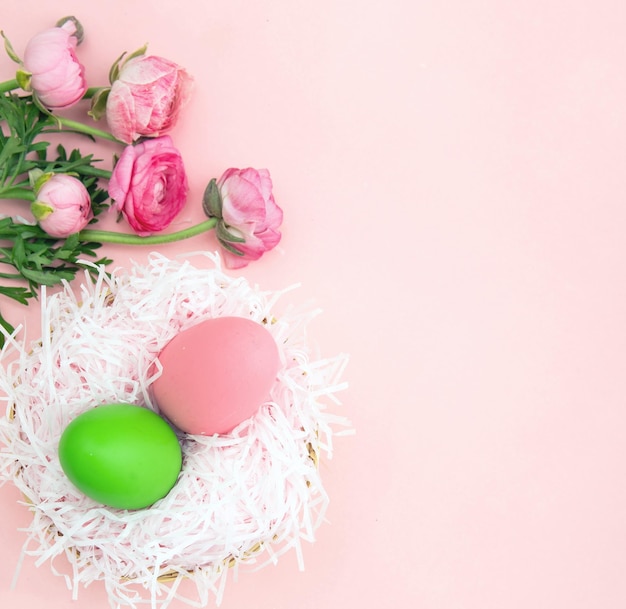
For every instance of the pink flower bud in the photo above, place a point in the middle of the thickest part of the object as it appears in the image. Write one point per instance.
(250, 218)
(57, 77)
(149, 185)
(146, 98)
(63, 206)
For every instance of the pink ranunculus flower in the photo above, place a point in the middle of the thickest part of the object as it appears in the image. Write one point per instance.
(57, 78)
(146, 98)
(249, 215)
(149, 185)
(62, 206)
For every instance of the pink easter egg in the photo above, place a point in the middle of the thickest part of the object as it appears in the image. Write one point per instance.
(216, 374)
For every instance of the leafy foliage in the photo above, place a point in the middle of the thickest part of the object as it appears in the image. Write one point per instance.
(28, 255)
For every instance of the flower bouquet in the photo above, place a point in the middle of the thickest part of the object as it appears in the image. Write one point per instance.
(136, 490)
(147, 185)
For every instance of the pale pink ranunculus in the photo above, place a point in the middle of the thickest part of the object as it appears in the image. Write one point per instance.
(249, 212)
(62, 206)
(148, 184)
(57, 77)
(146, 98)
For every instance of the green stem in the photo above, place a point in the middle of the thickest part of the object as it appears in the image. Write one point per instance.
(11, 276)
(103, 236)
(17, 193)
(89, 93)
(8, 85)
(88, 170)
(86, 129)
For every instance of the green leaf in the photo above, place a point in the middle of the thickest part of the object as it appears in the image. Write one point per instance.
(114, 72)
(99, 103)
(224, 235)
(36, 257)
(18, 252)
(40, 210)
(138, 53)
(39, 146)
(23, 79)
(212, 200)
(67, 250)
(71, 242)
(37, 178)
(18, 294)
(9, 329)
(229, 248)
(39, 259)
(11, 146)
(9, 49)
(47, 278)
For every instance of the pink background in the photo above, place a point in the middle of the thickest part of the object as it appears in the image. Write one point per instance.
(452, 176)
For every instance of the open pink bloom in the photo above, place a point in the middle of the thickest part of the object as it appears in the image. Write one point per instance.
(146, 98)
(149, 185)
(63, 206)
(57, 77)
(249, 212)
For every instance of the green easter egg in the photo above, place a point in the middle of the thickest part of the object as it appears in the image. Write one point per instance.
(121, 455)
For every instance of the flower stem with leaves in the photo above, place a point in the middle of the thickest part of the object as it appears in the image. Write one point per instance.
(28, 252)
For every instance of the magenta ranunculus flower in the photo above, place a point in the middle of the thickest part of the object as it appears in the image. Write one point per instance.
(249, 218)
(146, 97)
(62, 206)
(57, 78)
(149, 185)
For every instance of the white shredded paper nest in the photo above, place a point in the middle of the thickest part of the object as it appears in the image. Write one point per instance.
(242, 499)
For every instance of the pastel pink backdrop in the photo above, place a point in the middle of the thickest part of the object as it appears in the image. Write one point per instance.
(452, 176)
